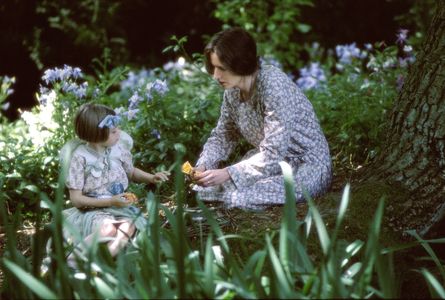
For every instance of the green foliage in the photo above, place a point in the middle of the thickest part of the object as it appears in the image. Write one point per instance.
(5, 88)
(274, 24)
(165, 264)
(354, 100)
(418, 17)
(184, 114)
(89, 25)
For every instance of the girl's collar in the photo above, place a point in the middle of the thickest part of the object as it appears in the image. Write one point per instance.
(92, 149)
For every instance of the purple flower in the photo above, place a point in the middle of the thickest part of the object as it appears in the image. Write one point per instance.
(81, 91)
(402, 36)
(174, 66)
(52, 75)
(158, 86)
(307, 83)
(135, 80)
(6, 106)
(406, 61)
(77, 73)
(131, 114)
(368, 46)
(269, 60)
(134, 101)
(346, 53)
(311, 77)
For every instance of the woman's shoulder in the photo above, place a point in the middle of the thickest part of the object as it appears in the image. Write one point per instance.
(270, 73)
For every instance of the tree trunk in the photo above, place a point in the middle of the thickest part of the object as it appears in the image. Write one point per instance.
(415, 153)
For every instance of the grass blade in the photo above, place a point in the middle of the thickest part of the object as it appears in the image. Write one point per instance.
(30, 281)
(436, 288)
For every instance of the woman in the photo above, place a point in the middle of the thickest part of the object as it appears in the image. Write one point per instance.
(262, 105)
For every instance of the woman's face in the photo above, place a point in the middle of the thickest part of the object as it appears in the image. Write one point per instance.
(225, 78)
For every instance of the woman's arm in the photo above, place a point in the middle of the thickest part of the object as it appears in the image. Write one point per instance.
(222, 140)
(79, 200)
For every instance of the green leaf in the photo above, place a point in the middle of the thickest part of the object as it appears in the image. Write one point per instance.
(104, 289)
(30, 281)
(435, 284)
(304, 28)
(32, 188)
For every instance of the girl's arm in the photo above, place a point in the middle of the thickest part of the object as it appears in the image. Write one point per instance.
(140, 176)
(79, 200)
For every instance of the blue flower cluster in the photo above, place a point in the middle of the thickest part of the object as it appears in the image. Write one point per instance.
(57, 74)
(143, 88)
(67, 77)
(158, 86)
(346, 53)
(312, 76)
(135, 80)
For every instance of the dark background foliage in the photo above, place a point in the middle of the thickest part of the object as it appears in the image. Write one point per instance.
(36, 35)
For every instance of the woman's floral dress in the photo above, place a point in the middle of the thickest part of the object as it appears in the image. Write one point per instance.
(280, 123)
(99, 176)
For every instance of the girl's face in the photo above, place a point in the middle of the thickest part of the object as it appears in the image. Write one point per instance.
(113, 137)
(225, 78)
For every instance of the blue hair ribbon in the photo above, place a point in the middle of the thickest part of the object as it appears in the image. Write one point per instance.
(110, 121)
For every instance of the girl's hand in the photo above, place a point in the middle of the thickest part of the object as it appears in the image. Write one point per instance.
(160, 176)
(119, 200)
(212, 177)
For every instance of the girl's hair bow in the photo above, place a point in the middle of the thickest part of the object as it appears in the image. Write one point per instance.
(110, 121)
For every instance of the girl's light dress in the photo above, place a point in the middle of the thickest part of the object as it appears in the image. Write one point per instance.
(99, 176)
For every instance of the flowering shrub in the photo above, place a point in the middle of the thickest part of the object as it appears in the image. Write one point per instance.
(176, 104)
(352, 90)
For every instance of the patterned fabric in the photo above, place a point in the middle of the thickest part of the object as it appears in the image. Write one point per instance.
(100, 176)
(95, 173)
(280, 123)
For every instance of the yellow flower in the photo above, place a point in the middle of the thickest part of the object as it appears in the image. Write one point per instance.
(187, 168)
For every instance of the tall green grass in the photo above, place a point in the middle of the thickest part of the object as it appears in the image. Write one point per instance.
(162, 262)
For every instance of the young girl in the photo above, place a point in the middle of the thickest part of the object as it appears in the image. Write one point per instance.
(99, 171)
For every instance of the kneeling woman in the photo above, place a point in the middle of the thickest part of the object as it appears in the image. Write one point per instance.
(265, 107)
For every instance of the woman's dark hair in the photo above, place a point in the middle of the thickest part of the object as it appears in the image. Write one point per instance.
(236, 49)
(86, 122)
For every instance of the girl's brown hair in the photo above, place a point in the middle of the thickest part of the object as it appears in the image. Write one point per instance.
(236, 49)
(87, 120)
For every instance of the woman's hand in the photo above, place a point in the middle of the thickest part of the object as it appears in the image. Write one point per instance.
(196, 172)
(160, 176)
(211, 177)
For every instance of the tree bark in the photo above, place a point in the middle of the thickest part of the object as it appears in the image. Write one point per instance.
(415, 152)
